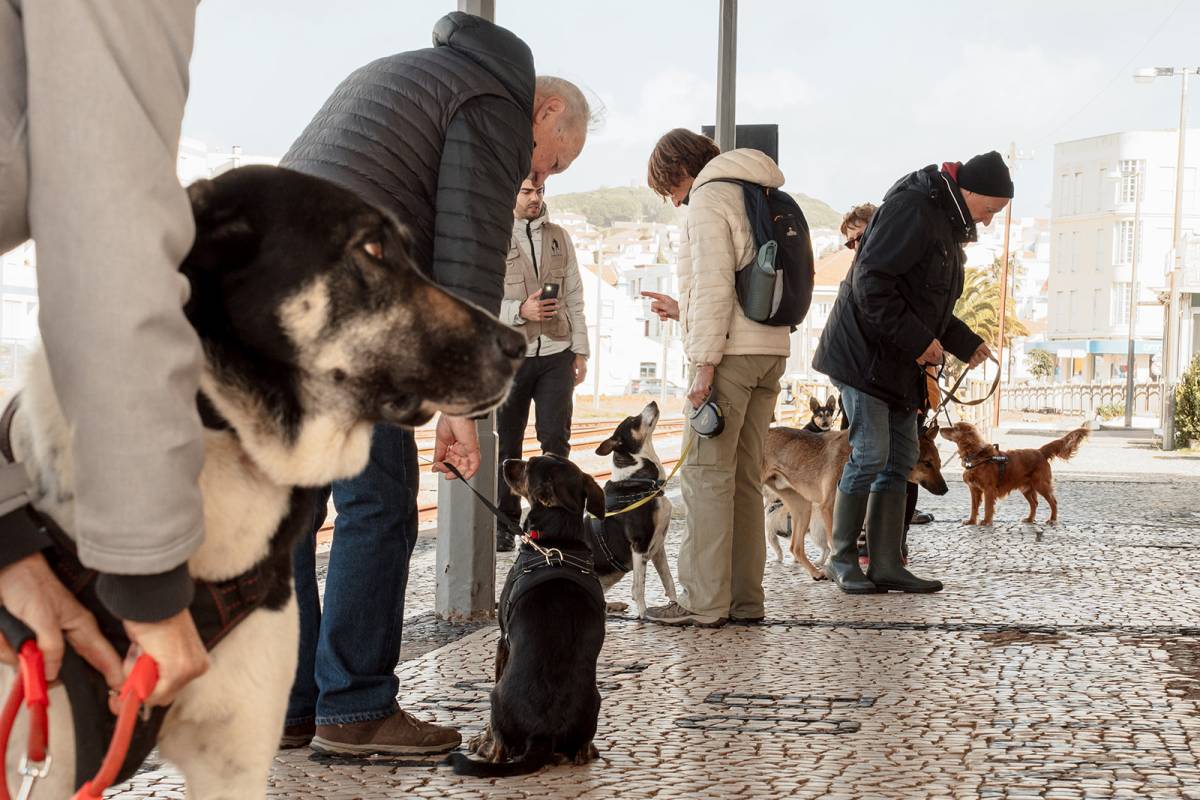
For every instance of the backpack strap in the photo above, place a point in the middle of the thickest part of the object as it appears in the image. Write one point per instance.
(758, 211)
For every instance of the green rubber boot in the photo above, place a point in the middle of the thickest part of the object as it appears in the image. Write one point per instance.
(849, 511)
(885, 529)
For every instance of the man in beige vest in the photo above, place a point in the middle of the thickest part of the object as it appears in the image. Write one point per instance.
(540, 257)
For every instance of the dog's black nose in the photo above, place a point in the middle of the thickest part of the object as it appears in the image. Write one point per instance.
(511, 343)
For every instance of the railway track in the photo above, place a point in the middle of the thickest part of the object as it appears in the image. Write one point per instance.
(583, 435)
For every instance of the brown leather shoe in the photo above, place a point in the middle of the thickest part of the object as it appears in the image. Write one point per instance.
(401, 733)
(297, 735)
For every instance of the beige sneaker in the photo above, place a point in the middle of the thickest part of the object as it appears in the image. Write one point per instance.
(674, 614)
(399, 734)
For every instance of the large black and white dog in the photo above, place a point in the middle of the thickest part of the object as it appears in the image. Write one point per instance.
(315, 324)
(624, 542)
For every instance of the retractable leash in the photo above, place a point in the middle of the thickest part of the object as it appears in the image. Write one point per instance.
(31, 689)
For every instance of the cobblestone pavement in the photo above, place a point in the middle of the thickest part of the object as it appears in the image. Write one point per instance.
(1060, 662)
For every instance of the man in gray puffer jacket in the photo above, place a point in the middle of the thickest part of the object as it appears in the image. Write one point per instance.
(441, 138)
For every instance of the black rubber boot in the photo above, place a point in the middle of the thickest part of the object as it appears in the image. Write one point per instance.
(885, 527)
(849, 511)
(504, 541)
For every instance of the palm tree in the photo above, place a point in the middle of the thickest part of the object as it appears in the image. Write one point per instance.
(978, 307)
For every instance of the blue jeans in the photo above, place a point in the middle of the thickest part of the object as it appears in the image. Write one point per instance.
(883, 444)
(350, 648)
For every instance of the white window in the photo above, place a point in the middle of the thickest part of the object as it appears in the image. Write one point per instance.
(1120, 304)
(1127, 189)
(1060, 255)
(1100, 265)
(1078, 185)
(1101, 180)
(1074, 250)
(1097, 309)
(1124, 243)
(1071, 310)
(1064, 193)
(647, 369)
(1060, 310)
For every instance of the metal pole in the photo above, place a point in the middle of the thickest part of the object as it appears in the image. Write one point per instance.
(726, 127)
(1003, 309)
(480, 8)
(596, 353)
(1133, 300)
(1169, 332)
(466, 534)
(662, 384)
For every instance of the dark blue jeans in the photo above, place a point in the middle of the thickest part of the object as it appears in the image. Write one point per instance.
(883, 444)
(349, 648)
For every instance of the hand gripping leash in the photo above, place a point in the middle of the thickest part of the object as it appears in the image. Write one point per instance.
(31, 690)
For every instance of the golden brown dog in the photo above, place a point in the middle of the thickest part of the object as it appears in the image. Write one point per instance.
(804, 468)
(991, 473)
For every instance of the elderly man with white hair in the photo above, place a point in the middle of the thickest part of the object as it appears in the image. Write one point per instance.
(441, 138)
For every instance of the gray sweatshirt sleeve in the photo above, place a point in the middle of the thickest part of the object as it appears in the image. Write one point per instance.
(107, 84)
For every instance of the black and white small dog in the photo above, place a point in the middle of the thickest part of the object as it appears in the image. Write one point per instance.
(822, 415)
(626, 541)
(545, 704)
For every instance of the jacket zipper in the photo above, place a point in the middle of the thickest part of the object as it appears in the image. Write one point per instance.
(533, 257)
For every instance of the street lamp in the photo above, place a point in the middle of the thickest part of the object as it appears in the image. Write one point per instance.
(1136, 175)
(1149, 75)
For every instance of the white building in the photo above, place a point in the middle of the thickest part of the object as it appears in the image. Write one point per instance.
(634, 352)
(1092, 243)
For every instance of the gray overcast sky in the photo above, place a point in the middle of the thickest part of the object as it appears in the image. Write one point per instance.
(863, 92)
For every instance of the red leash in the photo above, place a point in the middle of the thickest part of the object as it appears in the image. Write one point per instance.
(136, 689)
(30, 689)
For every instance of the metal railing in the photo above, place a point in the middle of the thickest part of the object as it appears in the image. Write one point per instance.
(1081, 398)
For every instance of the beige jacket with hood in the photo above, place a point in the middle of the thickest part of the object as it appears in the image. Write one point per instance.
(717, 242)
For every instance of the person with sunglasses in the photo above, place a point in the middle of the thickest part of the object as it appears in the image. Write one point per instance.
(855, 223)
(893, 316)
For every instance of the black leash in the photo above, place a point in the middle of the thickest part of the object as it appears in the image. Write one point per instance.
(504, 520)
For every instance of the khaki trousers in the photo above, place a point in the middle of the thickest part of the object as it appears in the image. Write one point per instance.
(723, 553)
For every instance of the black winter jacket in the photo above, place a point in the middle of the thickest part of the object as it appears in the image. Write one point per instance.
(442, 139)
(901, 291)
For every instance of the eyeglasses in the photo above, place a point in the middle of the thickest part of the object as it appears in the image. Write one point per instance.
(852, 243)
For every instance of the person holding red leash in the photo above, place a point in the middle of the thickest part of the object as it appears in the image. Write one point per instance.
(112, 225)
(894, 315)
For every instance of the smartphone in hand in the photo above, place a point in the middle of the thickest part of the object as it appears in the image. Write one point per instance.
(549, 291)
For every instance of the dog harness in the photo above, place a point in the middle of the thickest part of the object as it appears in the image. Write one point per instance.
(532, 569)
(612, 562)
(217, 608)
(990, 454)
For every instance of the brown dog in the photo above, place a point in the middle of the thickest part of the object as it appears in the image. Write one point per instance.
(804, 468)
(991, 473)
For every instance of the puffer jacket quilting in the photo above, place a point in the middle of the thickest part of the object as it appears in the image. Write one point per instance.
(440, 138)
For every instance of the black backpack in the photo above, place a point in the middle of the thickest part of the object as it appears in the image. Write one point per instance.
(776, 287)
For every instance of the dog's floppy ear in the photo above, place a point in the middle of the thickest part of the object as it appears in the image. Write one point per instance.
(224, 237)
(594, 497)
(606, 446)
(814, 405)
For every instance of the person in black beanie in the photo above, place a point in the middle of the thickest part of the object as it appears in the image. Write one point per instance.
(894, 315)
